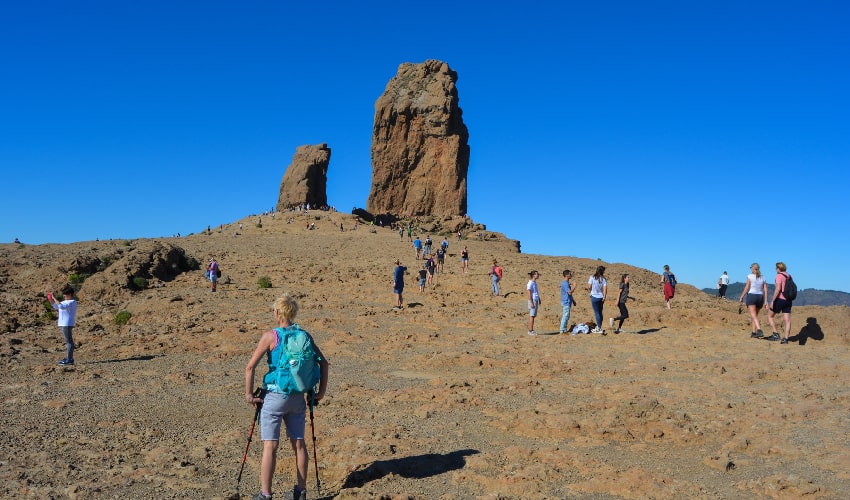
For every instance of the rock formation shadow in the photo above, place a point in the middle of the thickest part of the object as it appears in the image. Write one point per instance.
(416, 467)
(812, 330)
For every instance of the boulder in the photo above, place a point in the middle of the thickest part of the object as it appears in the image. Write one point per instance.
(420, 150)
(306, 178)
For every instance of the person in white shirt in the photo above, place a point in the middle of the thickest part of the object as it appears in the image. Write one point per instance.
(67, 316)
(722, 285)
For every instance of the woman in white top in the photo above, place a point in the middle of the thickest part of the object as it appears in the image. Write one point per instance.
(598, 287)
(755, 292)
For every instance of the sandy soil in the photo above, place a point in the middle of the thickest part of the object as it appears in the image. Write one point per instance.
(448, 398)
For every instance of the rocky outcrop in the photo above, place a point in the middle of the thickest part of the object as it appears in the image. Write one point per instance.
(420, 150)
(306, 178)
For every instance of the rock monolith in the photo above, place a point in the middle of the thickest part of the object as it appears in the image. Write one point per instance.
(420, 150)
(306, 178)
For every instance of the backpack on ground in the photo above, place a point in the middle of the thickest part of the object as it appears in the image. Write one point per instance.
(790, 288)
(299, 370)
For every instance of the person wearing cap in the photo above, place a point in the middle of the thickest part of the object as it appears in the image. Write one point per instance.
(67, 315)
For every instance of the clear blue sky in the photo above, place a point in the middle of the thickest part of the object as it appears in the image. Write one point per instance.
(650, 133)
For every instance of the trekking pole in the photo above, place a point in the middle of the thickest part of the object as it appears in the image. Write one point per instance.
(257, 394)
(313, 431)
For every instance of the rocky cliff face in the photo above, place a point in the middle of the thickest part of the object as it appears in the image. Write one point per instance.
(306, 178)
(420, 151)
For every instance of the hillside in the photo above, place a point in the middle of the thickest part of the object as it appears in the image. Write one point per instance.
(447, 398)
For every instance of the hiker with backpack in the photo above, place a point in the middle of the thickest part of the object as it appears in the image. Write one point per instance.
(784, 293)
(668, 279)
(213, 273)
(296, 365)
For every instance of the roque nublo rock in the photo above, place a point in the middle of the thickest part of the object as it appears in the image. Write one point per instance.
(420, 150)
(306, 178)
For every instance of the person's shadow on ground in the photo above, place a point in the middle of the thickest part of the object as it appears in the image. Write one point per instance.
(812, 331)
(418, 467)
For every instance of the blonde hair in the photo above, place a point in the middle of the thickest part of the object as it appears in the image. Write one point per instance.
(781, 266)
(757, 269)
(287, 307)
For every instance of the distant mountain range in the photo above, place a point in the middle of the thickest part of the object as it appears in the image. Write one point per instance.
(808, 297)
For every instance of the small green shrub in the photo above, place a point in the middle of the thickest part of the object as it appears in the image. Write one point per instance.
(140, 283)
(77, 278)
(122, 317)
(264, 282)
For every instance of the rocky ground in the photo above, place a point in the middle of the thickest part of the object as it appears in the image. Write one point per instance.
(448, 398)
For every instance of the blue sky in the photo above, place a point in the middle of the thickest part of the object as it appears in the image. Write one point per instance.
(649, 133)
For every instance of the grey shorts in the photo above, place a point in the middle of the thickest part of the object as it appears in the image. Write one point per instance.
(291, 410)
(755, 299)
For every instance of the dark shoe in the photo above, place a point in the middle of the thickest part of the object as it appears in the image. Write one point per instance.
(617, 331)
(773, 337)
(260, 496)
(757, 335)
(784, 341)
(66, 362)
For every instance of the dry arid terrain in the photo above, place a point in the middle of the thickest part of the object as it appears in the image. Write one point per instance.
(447, 398)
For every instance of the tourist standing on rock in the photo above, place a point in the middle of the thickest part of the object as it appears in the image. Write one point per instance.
(398, 283)
(622, 297)
(496, 276)
(401, 233)
(567, 300)
(780, 303)
(212, 273)
(464, 260)
(755, 292)
(278, 407)
(417, 246)
(668, 280)
(409, 232)
(67, 316)
(533, 300)
(445, 244)
(432, 267)
(598, 287)
(428, 243)
(723, 284)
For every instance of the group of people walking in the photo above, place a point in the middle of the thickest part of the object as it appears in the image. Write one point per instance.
(755, 294)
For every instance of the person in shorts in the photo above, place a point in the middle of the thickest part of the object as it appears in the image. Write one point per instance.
(278, 409)
(780, 303)
(423, 275)
(755, 292)
(533, 300)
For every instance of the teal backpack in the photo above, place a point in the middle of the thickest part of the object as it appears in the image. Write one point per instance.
(298, 370)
